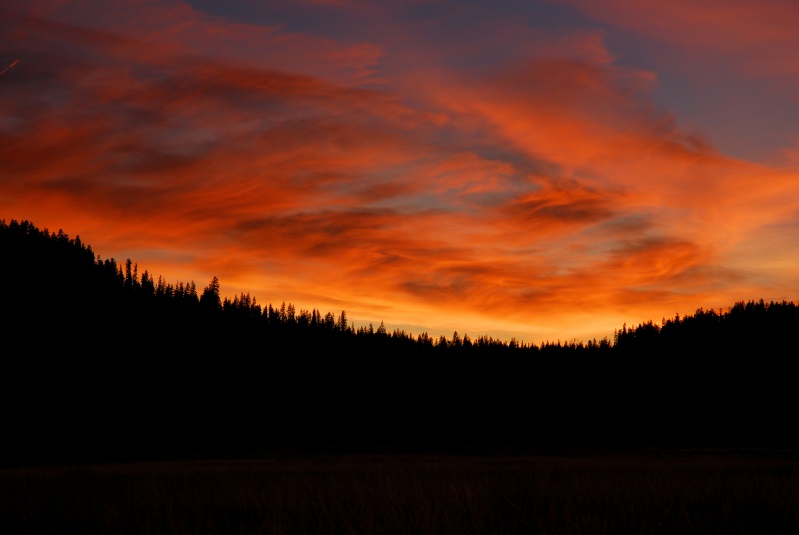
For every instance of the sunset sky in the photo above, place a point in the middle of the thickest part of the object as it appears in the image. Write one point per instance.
(538, 169)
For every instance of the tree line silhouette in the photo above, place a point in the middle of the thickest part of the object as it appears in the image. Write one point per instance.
(103, 361)
(81, 290)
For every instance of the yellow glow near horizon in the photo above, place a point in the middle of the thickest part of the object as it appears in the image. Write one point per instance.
(511, 179)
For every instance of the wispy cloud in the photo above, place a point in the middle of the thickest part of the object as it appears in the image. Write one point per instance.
(760, 36)
(546, 195)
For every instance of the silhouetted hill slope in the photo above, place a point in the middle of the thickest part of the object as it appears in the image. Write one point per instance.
(101, 362)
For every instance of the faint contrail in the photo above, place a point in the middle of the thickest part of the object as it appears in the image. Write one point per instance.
(9, 67)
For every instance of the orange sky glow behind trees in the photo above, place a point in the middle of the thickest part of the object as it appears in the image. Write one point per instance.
(540, 170)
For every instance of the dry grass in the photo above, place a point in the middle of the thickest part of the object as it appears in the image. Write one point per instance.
(595, 494)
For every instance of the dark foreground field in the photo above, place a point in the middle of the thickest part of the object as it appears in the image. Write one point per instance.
(703, 493)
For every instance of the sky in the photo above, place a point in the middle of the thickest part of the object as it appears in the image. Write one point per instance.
(542, 169)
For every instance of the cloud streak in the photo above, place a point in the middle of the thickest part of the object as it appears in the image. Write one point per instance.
(547, 197)
(760, 36)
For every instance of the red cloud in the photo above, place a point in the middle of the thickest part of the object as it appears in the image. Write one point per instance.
(519, 199)
(761, 36)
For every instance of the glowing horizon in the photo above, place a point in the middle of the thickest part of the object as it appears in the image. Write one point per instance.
(540, 170)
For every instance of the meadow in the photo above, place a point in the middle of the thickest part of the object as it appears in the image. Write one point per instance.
(600, 493)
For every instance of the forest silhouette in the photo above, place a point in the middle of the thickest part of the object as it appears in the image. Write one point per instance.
(102, 361)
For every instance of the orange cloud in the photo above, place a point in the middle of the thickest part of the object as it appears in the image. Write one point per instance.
(547, 198)
(761, 36)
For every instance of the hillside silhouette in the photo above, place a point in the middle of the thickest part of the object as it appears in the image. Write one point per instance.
(102, 360)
